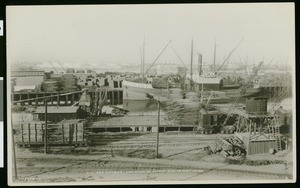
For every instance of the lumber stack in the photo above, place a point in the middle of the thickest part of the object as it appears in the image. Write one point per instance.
(63, 133)
(32, 132)
(69, 82)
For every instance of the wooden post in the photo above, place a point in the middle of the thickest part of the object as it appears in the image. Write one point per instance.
(29, 102)
(76, 130)
(72, 99)
(13, 147)
(35, 132)
(46, 129)
(51, 99)
(63, 132)
(92, 97)
(58, 99)
(67, 100)
(44, 96)
(120, 97)
(113, 97)
(83, 130)
(22, 130)
(158, 122)
(29, 133)
(36, 101)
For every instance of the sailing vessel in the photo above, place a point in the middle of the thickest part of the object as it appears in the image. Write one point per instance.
(141, 91)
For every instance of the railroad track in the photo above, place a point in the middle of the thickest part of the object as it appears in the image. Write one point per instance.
(110, 165)
(148, 145)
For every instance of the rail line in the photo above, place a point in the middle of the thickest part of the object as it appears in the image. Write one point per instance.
(145, 146)
(109, 165)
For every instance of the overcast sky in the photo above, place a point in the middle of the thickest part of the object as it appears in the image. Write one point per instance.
(114, 33)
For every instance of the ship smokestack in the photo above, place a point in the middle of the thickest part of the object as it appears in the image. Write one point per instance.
(200, 70)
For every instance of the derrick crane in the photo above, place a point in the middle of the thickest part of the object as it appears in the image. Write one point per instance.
(242, 91)
(53, 66)
(158, 56)
(61, 66)
(227, 58)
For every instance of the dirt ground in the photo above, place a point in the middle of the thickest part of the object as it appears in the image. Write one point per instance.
(181, 163)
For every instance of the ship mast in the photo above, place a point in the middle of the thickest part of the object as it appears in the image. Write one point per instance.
(143, 61)
(214, 66)
(192, 46)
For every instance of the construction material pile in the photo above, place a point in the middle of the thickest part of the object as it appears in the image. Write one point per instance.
(61, 133)
(182, 111)
(160, 83)
(51, 86)
(31, 132)
(65, 133)
(69, 82)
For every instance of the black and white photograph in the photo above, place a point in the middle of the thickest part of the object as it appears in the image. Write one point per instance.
(125, 94)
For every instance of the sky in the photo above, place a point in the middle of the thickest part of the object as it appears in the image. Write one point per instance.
(114, 34)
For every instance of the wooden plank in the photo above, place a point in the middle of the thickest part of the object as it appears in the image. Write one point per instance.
(22, 131)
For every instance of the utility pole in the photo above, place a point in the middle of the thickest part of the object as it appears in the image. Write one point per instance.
(158, 124)
(46, 130)
(14, 149)
(192, 46)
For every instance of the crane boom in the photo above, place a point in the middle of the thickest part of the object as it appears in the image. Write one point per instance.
(229, 55)
(158, 56)
(242, 91)
(53, 66)
(61, 66)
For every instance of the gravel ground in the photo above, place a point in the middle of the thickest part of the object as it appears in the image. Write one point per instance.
(184, 164)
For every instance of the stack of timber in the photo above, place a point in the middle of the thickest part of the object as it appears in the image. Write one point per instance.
(192, 96)
(180, 112)
(175, 93)
(54, 133)
(52, 84)
(69, 82)
(160, 83)
(182, 108)
(65, 133)
(32, 132)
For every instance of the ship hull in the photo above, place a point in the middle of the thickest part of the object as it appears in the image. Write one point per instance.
(138, 91)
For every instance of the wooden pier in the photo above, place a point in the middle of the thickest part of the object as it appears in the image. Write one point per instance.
(115, 97)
